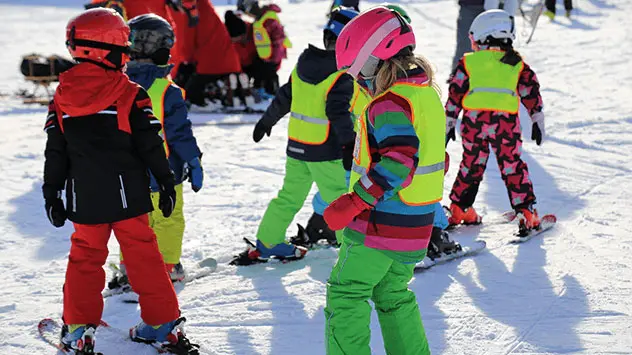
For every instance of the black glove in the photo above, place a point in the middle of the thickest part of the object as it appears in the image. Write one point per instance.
(167, 200)
(260, 130)
(347, 155)
(536, 134)
(55, 210)
(537, 129)
(450, 135)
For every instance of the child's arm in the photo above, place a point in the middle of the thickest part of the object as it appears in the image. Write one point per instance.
(56, 157)
(279, 107)
(145, 127)
(337, 107)
(177, 126)
(459, 85)
(396, 143)
(277, 36)
(529, 90)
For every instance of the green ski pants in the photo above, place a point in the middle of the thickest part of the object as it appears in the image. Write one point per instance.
(360, 274)
(329, 176)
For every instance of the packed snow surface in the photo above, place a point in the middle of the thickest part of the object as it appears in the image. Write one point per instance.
(565, 292)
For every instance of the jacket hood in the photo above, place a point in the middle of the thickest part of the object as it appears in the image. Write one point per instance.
(271, 7)
(87, 88)
(315, 64)
(144, 74)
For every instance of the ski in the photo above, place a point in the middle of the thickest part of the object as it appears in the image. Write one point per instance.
(200, 270)
(50, 331)
(546, 222)
(466, 250)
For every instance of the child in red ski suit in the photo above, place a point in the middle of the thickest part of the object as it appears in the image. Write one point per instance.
(102, 139)
(488, 85)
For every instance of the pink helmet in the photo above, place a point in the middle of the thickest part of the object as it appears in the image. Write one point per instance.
(377, 34)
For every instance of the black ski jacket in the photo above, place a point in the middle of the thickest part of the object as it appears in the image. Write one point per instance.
(102, 139)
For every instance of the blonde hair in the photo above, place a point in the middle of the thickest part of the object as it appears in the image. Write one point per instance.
(397, 67)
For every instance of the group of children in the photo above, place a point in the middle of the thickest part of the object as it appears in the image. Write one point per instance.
(366, 125)
(252, 47)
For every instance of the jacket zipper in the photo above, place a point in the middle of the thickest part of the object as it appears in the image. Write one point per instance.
(123, 197)
(74, 197)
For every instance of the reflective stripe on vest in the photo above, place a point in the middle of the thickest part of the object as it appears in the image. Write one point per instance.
(262, 37)
(156, 93)
(360, 100)
(493, 84)
(429, 122)
(308, 119)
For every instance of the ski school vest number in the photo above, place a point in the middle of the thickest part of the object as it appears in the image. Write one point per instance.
(429, 122)
(493, 84)
(308, 120)
(262, 37)
(156, 93)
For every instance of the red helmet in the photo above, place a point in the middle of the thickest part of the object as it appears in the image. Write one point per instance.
(100, 36)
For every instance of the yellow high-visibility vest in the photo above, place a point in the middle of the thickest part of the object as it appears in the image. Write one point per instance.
(493, 84)
(429, 122)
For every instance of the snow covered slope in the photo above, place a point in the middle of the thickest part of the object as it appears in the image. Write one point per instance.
(565, 292)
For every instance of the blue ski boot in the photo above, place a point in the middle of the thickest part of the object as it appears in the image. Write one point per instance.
(260, 253)
(165, 337)
(79, 338)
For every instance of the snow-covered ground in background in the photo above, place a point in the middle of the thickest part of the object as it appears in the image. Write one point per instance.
(565, 292)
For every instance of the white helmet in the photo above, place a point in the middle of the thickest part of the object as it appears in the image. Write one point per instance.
(497, 24)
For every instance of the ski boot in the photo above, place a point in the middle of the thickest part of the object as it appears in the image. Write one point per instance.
(528, 220)
(456, 215)
(78, 338)
(259, 253)
(176, 272)
(316, 230)
(119, 279)
(440, 244)
(550, 14)
(568, 13)
(168, 337)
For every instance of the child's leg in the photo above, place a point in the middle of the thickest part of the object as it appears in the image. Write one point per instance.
(568, 5)
(550, 5)
(440, 219)
(398, 312)
(473, 163)
(319, 204)
(348, 314)
(285, 206)
(330, 179)
(507, 145)
(169, 231)
(83, 303)
(146, 271)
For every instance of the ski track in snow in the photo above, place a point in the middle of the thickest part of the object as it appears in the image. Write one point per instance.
(566, 292)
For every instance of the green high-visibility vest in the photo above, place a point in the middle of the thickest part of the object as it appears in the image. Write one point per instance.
(262, 37)
(308, 120)
(429, 122)
(493, 84)
(156, 93)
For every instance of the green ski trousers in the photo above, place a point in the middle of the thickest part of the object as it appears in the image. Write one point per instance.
(360, 274)
(300, 175)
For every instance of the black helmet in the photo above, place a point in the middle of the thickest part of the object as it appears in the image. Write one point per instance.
(152, 38)
(246, 5)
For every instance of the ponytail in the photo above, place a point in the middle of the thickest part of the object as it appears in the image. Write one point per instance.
(511, 57)
(396, 67)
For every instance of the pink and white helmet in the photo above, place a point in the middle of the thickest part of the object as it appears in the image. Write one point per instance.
(376, 34)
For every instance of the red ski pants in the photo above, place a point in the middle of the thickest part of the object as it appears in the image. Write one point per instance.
(85, 277)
